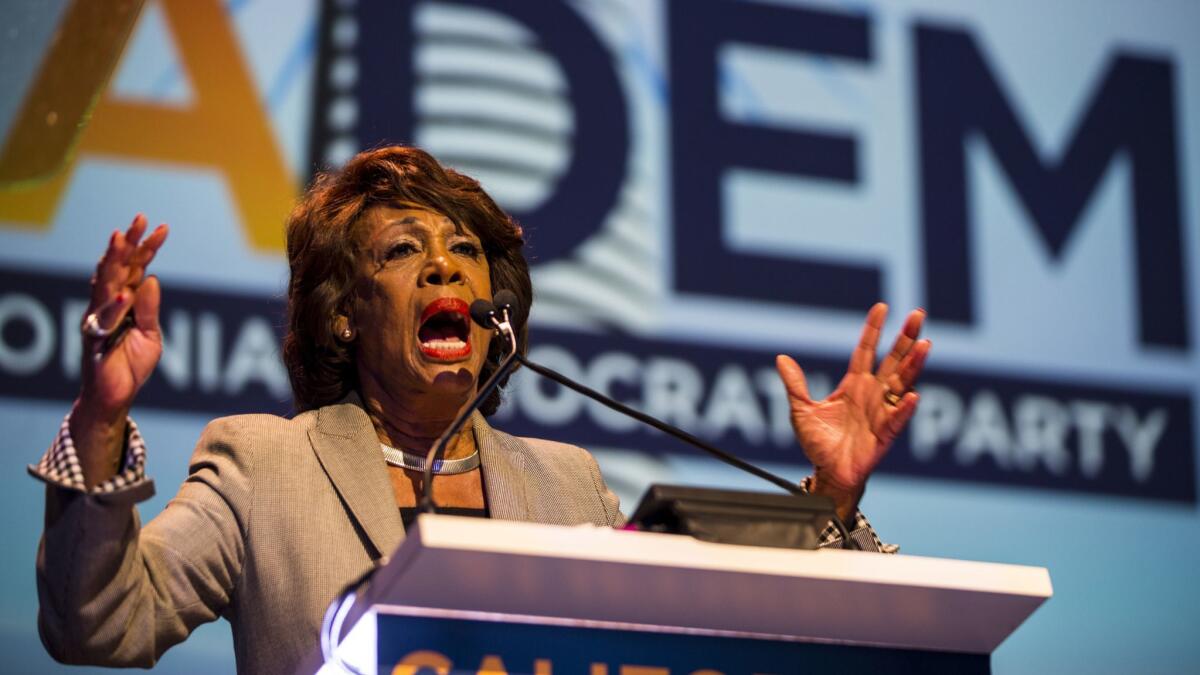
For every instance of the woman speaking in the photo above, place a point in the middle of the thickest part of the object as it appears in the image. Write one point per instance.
(277, 515)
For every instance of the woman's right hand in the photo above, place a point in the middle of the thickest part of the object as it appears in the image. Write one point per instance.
(112, 377)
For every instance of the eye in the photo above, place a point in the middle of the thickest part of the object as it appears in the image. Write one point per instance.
(400, 249)
(467, 248)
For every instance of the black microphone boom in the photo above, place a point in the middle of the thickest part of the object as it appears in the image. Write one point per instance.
(684, 436)
(506, 304)
(732, 460)
(662, 426)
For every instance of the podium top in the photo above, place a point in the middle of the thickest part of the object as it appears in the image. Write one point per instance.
(600, 574)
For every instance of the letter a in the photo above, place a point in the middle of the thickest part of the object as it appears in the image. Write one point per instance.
(226, 129)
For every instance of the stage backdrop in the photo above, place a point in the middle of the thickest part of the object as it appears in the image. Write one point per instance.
(703, 185)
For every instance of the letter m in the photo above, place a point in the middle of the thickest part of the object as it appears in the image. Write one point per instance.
(1132, 110)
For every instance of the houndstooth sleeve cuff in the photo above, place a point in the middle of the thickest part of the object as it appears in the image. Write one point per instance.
(860, 531)
(60, 465)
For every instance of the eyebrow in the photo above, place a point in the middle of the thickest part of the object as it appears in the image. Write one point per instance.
(413, 220)
(410, 220)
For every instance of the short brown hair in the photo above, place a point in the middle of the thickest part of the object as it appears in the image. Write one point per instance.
(322, 249)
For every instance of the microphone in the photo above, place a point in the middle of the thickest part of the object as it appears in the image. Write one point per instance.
(487, 315)
(506, 304)
(482, 312)
(497, 314)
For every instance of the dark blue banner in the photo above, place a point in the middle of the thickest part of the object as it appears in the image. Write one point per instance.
(221, 356)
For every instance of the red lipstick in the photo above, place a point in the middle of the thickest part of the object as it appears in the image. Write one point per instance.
(445, 330)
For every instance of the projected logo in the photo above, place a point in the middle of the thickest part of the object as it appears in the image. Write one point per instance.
(501, 90)
(691, 172)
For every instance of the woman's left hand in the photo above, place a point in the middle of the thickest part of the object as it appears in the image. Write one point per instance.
(848, 433)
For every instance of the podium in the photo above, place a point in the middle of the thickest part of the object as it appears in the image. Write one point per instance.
(484, 596)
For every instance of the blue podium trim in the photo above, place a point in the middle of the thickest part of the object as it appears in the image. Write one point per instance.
(420, 641)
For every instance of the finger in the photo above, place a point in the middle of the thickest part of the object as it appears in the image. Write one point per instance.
(156, 238)
(863, 357)
(900, 415)
(910, 369)
(894, 384)
(136, 229)
(793, 378)
(146, 304)
(144, 254)
(109, 315)
(111, 270)
(904, 342)
(105, 272)
(127, 241)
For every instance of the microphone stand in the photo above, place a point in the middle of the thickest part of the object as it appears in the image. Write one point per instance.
(505, 367)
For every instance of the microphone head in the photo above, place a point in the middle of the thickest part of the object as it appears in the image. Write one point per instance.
(482, 313)
(506, 299)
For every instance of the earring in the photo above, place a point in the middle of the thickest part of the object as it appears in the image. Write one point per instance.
(347, 333)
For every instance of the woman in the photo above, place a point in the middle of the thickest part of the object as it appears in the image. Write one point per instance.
(277, 515)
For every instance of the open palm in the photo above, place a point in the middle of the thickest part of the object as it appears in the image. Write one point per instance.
(113, 373)
(847, 434)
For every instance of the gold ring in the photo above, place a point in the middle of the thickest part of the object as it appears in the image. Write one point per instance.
(891, 398)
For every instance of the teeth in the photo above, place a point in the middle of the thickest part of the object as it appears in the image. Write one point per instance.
(451, 343)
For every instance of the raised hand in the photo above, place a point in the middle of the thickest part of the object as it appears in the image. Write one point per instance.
(116, 363)
(847, 434)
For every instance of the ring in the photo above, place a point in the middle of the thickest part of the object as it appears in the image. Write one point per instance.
(92, 328)
(891, 398)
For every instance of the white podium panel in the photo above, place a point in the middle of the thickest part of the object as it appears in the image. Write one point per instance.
(607, 575)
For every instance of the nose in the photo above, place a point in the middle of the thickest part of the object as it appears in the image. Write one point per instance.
(441, 270)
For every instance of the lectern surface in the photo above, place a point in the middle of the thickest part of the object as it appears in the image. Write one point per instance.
(598, 574)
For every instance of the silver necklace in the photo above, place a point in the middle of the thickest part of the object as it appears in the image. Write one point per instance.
(444, 467)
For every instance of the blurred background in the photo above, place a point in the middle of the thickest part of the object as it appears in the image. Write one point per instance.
(704, 185)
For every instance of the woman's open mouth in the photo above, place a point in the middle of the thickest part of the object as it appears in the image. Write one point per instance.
(445, 329)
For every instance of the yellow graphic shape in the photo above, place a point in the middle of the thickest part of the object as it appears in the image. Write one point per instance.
(226, 128)
(422, 660)
(82, 52)
(491, 665)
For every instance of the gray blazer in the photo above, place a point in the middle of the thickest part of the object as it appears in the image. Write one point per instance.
(275, 518)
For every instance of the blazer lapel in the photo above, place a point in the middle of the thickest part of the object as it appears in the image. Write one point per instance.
(346, 446)
(503, 460)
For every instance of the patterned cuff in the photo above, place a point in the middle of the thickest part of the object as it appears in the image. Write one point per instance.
(860, 531)
(60, 465)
